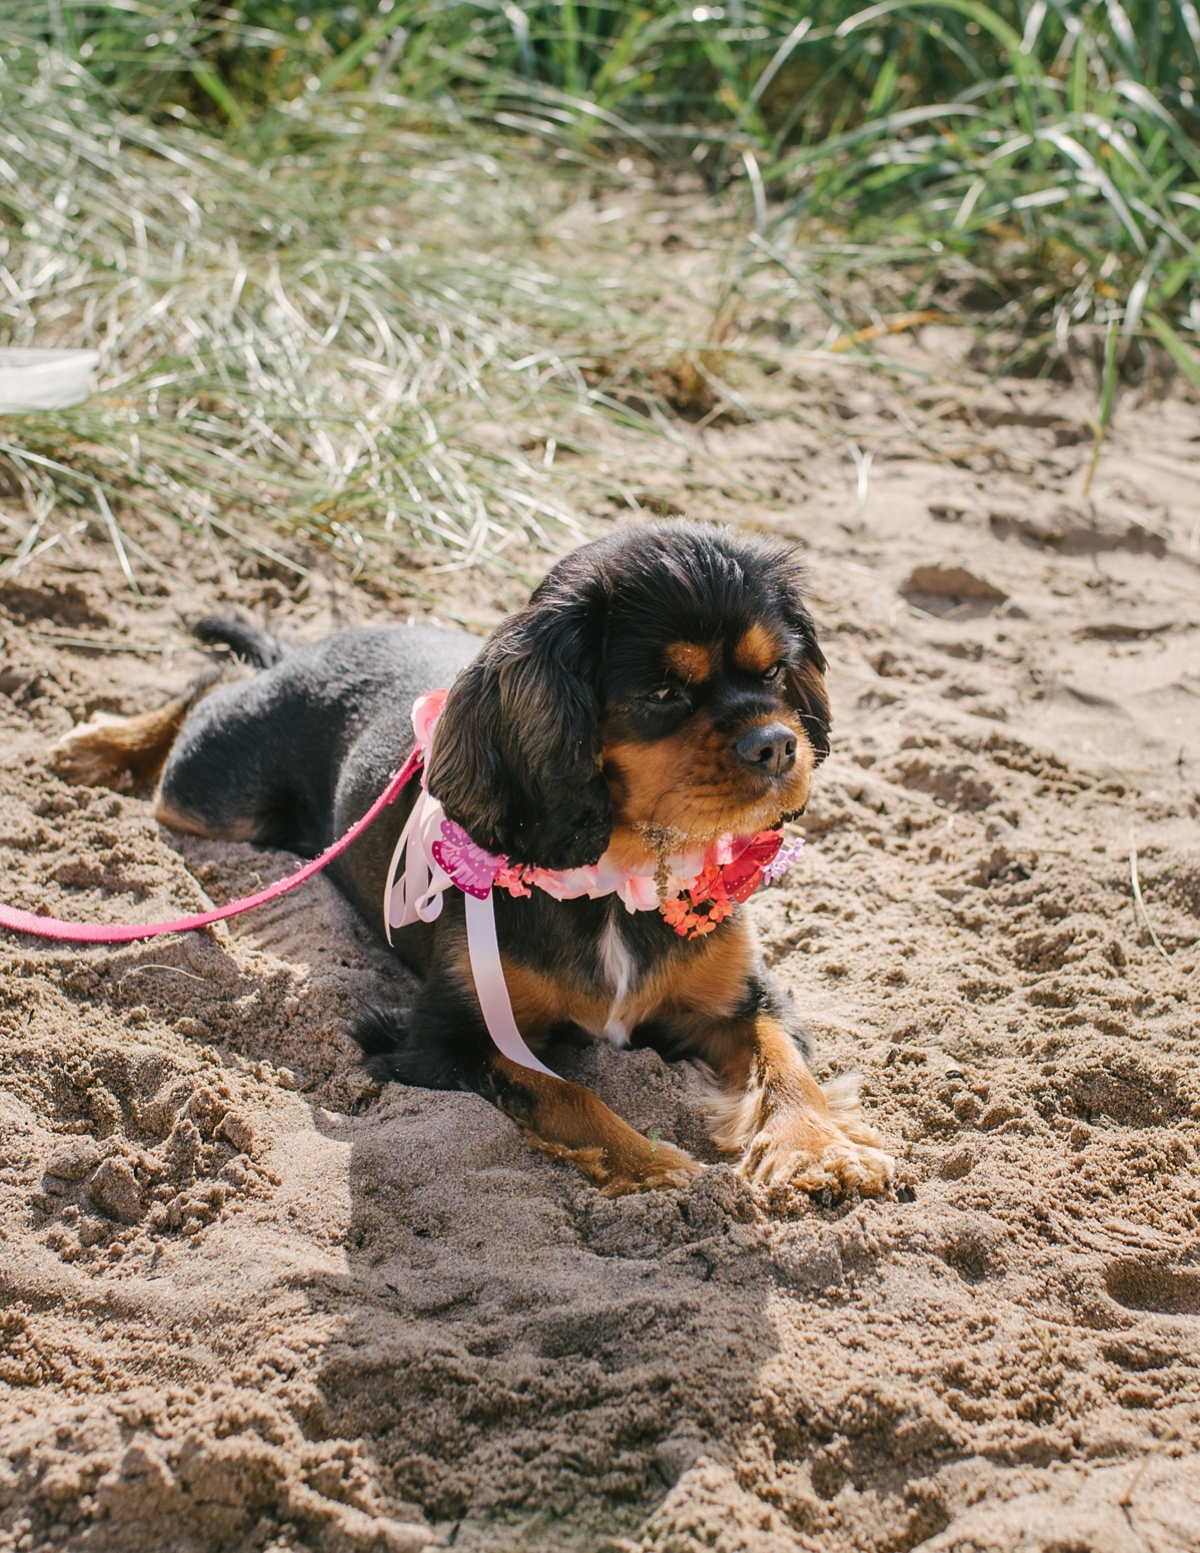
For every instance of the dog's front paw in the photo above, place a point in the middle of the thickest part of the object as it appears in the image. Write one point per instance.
(666, 1166)
(632, 1164)
(792, 1153)
(650, 1165)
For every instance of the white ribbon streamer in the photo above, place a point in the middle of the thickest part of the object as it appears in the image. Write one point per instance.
(490, 986)
(417, 897)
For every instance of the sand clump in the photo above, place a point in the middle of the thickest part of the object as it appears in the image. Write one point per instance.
(250, 1301)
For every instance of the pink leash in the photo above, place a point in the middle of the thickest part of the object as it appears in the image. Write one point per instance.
(483, 950)
(89, 933)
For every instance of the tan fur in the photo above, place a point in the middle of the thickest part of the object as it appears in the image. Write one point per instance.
(563, 1120)
(127, 753)
(540, 1001)
(692, 785)
(124, 753)
(732, 1117)
(697, 987)
(567, 1122)
(691, 662)
(791, 1132)
(243, 830)
(668, 1166)
(701, 986)
(758, 650)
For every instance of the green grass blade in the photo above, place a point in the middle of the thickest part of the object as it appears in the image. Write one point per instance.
(1182, 355)
(212, 83)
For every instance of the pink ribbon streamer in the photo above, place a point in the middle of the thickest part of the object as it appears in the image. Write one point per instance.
(490, 986)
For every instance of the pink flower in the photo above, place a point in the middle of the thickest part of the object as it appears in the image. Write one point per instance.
(639, 892)
(564, 884)
(425, 713)
(723, 850)
(708, 886)
(783, 860)
(510, 879)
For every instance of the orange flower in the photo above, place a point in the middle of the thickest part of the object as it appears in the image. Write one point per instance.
(708, 886)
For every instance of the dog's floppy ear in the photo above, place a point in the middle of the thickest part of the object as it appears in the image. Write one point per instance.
(807, 693)
(806, 673)
(515, 758)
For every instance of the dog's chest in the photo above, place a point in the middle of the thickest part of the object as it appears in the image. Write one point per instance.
(619, 973)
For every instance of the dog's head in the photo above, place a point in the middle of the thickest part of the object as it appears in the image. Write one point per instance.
(664, 684)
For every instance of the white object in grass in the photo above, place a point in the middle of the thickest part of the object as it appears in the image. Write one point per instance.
(44, 379)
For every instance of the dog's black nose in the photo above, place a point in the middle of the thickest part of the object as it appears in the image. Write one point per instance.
(770, 749)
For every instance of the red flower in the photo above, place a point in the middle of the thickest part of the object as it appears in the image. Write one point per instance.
(744, 875)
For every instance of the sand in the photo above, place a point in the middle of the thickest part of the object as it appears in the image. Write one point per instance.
(249, 1301)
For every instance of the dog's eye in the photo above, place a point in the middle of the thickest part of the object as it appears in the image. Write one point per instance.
(773, 672)
(665, 695)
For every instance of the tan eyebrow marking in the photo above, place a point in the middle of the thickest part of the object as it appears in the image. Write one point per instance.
(690, 661)
(758, 650)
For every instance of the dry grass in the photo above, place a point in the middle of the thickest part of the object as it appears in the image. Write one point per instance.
(337, 306)
(358, 339)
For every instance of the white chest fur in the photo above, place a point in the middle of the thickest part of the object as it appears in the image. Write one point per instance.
(619, 970)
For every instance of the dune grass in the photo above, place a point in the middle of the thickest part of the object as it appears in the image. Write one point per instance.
(1036, 163)
(1064, 131)
(306, 238)
(314, 340)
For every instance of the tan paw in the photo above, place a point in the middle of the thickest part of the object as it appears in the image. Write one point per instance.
(672, 1168)
(124, 753)
(646, 1166)
(819, 1160)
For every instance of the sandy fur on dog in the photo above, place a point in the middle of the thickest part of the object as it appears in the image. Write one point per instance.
(261, 1305)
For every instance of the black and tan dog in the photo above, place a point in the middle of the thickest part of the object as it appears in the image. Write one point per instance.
(662, 687)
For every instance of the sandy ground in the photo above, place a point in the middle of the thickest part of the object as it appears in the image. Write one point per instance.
(249, 1301)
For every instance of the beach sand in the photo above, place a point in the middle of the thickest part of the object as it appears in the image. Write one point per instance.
(250, 1301)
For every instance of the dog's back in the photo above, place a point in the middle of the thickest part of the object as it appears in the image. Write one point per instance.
(278, 758)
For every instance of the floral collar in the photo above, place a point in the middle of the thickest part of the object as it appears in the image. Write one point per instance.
(701, 888)
(694, 891)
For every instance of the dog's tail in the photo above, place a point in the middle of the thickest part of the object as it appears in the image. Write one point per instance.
(247, 642)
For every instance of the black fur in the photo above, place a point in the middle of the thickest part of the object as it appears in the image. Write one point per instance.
(291, 757)
(296, 754)
(244, 641)
(383, 1034)
(516, 759)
